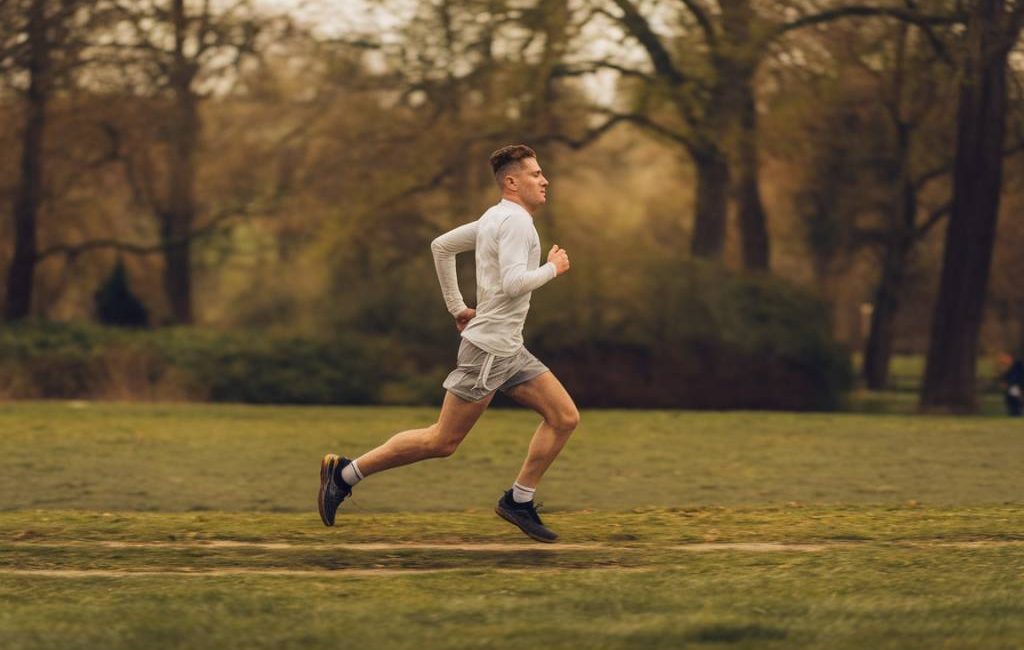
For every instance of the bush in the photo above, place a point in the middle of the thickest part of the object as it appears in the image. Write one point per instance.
(700, 337)
(60, 360)
(116, 304)
(682, 335)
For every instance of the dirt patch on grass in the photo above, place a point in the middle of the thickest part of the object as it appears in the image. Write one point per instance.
(486, 547)
(752, 547)
(364, 546)
(507, 547)
(986, 543)
(233, 571)
(312, 573)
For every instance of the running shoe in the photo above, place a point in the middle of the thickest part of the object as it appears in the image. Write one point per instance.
(332, 491)
(524, 515)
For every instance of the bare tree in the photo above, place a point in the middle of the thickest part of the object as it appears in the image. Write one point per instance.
(178, 53)
(950, 373)
(909, 73)
(705, 72)
(39, 44)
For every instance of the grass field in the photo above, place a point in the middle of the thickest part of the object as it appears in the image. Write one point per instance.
(194, 526)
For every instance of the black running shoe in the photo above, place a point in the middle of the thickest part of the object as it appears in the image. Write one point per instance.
(332, 491)
(525, 516)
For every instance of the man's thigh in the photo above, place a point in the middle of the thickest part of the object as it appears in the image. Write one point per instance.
(546, 395)
(459, 415)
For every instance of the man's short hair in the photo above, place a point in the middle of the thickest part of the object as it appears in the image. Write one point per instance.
(508, 158)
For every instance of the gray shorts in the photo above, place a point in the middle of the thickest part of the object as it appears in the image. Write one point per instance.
(479, 374)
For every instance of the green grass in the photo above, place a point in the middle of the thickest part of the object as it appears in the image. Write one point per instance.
(856, 598)
(247, 458)
(906, 374)
(193, 526)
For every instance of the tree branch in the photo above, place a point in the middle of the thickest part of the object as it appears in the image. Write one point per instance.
(947, 168)
(862, 11)
(937, 45)
(647, 123)
(587, 138)
(590, 67)
(74, 250)
(637, 26)
(937, 215)
(701, 14)
(1014, 26)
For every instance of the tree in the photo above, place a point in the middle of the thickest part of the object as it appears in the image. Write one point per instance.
(708, 82)
(993, 28)
(39, 42)
(177, 54)
(895, 82)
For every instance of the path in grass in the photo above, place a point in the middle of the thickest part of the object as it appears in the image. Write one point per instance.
(81, 581)
(500, 558)
(77, 543)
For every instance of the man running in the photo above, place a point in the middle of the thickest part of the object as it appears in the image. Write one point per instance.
(492, 356)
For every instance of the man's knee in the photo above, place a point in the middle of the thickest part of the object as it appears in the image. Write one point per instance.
(445, 448)
(565, 420)
(443, 445)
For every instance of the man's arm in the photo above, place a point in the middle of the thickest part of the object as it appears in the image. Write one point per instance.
(514, 240)
(445, 248)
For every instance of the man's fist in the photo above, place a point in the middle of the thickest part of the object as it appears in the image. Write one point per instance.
(464, 317)
(559, 258)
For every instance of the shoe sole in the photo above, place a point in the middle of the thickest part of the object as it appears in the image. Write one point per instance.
(325, 477)
(501, 513)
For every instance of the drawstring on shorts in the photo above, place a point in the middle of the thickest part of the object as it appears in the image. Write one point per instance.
(485, 373)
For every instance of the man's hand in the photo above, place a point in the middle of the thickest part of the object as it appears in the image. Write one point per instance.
(463, 318)
(559, 258)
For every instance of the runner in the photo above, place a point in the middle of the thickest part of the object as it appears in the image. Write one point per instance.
(492, 356)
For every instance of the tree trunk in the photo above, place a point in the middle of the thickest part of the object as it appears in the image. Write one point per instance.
(734, 108)
(752, 217)
(711, 202)
(950, 372)
(878, 350)
(29, 193)
(177, 220)
(898, 247)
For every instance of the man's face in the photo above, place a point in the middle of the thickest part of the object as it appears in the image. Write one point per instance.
(530, 183)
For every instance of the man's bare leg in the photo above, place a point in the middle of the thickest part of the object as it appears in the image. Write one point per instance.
(545, 395)
(338, 475)
(436, 441)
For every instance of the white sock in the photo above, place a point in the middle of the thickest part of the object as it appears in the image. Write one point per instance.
(521, 493)
(350, 473)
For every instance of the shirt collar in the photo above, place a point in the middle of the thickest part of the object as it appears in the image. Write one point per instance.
(512, 204)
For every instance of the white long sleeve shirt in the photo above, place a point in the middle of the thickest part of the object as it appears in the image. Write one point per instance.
(507, 271)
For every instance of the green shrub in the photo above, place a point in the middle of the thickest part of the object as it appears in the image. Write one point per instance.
(116, 304)
(673, 335)
(697, 336)
(65, 360)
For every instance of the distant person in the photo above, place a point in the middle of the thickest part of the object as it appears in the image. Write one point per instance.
(491, 356)
(1013, 380)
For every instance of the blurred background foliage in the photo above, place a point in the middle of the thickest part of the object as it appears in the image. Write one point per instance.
(751, 191)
